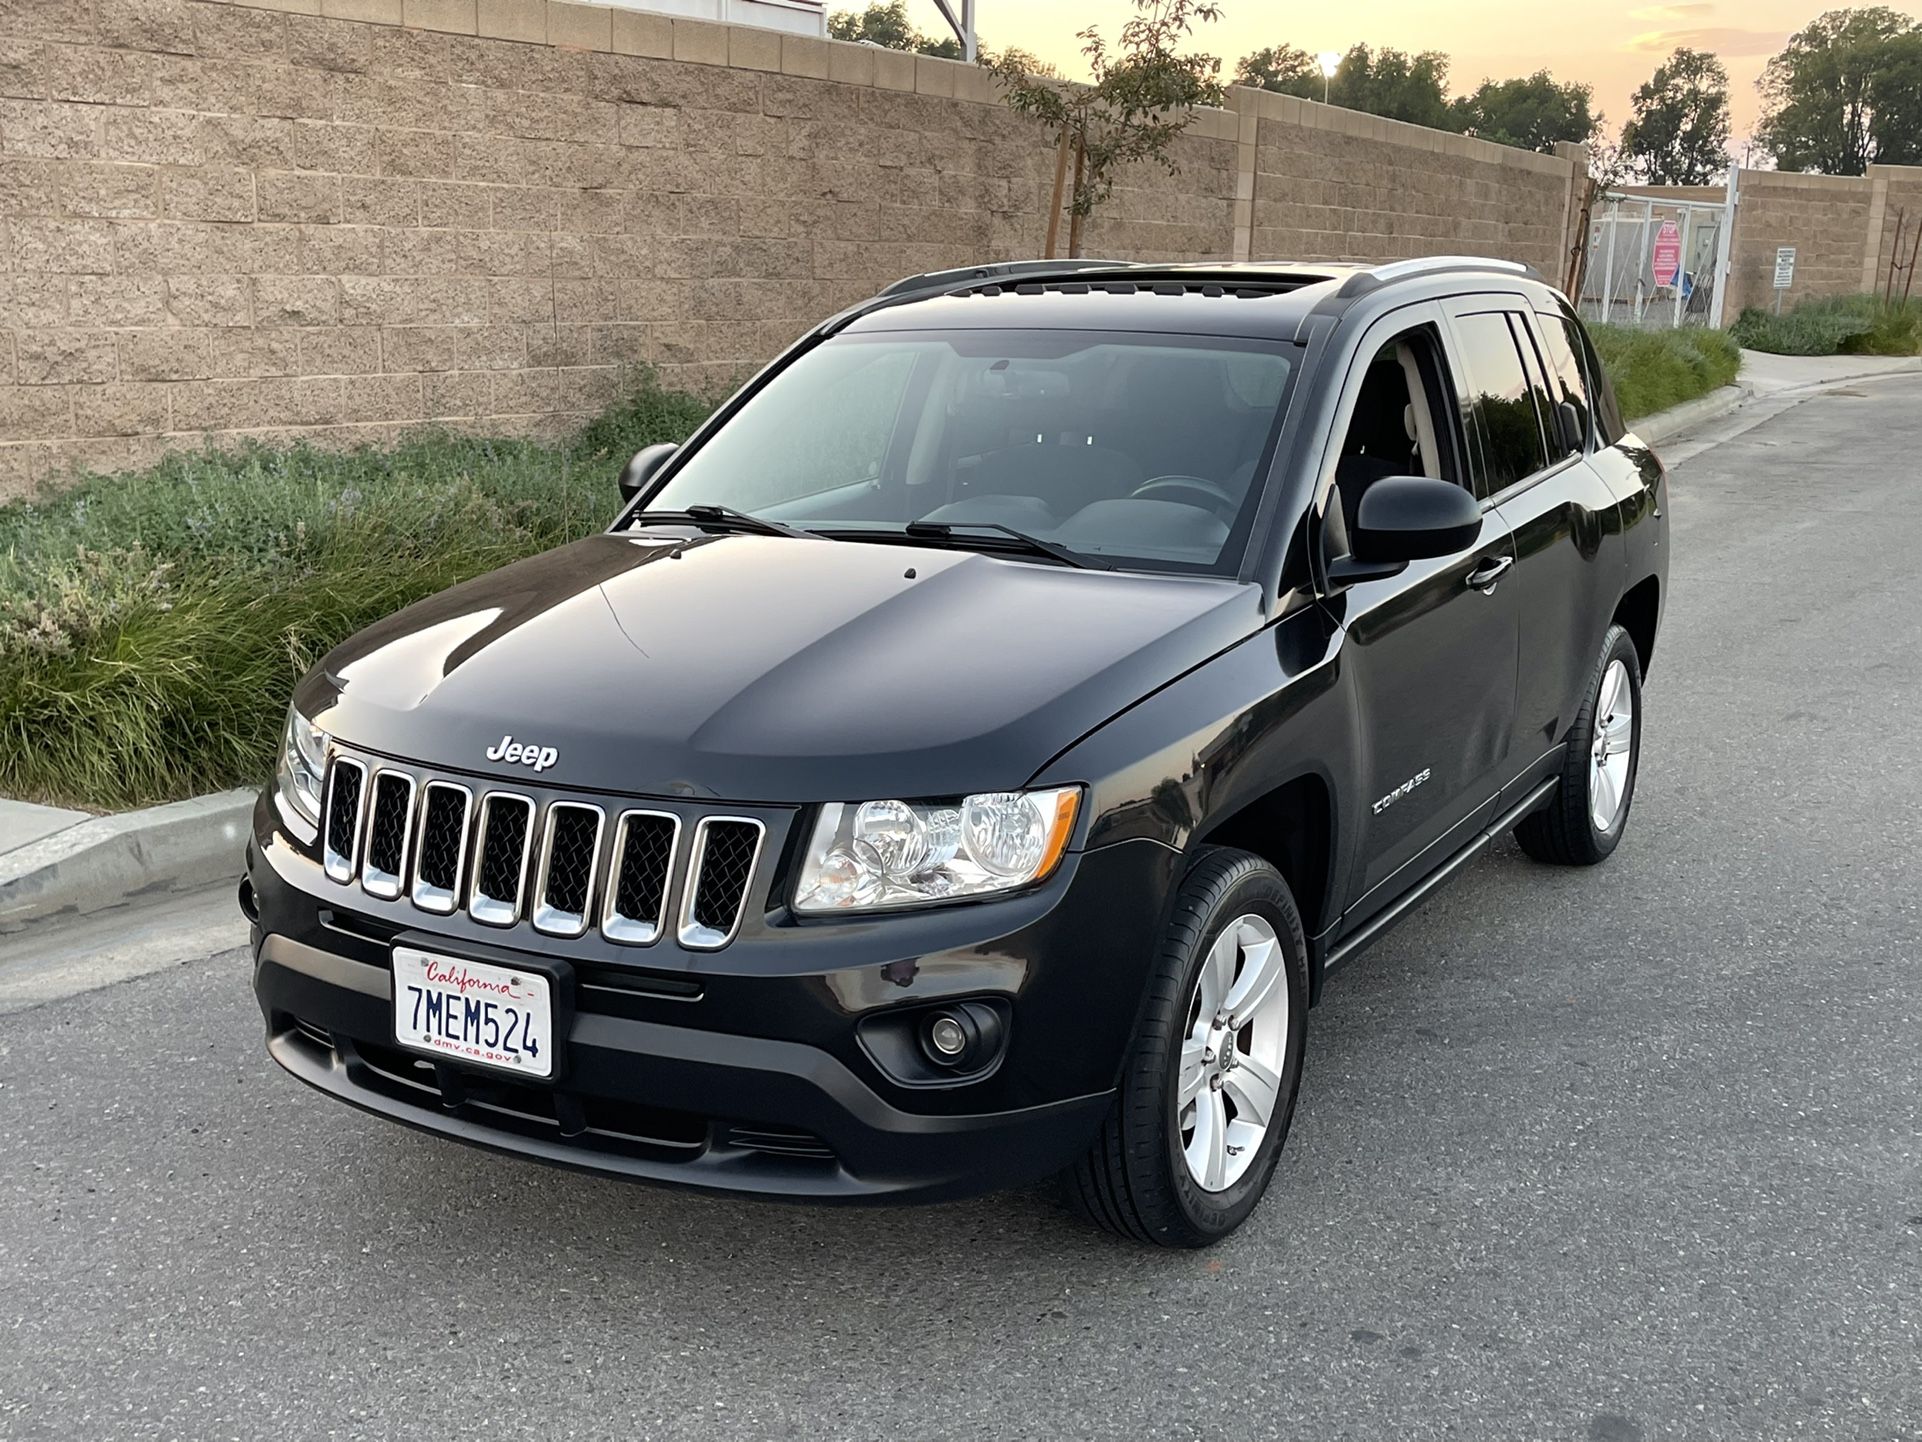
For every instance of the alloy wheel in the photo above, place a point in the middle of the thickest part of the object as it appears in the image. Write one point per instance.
(1228, 1075)
(1613, 748)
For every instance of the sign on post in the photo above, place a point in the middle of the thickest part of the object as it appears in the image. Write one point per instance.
(1784, 267)
(1667, 259)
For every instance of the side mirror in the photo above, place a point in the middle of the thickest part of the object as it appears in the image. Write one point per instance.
(1410, 518)
(643, 468)
(1573, 426)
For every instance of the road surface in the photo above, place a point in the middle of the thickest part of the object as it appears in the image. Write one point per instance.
(1612, 1154)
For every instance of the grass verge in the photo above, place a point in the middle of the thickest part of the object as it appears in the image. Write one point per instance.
(152, 625)
(1655, 369)
(1835, 325)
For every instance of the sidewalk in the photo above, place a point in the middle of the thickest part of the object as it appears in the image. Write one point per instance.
(1764, 374)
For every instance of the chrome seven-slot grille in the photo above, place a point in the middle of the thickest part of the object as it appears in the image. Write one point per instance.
(504, 858)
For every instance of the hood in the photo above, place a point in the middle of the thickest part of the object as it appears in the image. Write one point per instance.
(758, 668)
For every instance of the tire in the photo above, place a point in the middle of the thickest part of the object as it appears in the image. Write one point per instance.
(1567, 830)
(1136, 1179)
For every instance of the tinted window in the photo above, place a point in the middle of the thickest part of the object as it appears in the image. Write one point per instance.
(1501, 402)
(1538, 385)
(1145, 448)
(1569, 383)
(1601, 395)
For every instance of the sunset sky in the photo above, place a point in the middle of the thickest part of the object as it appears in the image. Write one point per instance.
(1613, 46)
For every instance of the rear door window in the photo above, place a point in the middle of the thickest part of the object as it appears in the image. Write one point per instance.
(1567, 382)
(1500, 400)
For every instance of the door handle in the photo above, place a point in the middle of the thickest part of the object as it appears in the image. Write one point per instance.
(1484, 576)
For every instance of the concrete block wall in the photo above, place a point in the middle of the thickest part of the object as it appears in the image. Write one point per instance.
(1826, 219)
(1333, 184)
(345, 218)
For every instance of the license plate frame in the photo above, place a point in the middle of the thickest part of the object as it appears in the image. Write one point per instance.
(544, 993)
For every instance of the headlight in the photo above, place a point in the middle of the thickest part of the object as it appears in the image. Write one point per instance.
(303, 761)
(872, 854)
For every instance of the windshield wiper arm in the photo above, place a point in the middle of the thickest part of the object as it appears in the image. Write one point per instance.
(723, 518)
(1033, 545)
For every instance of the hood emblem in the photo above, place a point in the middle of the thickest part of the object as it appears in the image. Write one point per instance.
(522, 753)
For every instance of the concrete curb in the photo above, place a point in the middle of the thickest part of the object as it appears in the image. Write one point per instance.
(1717, 403)
(109, 860)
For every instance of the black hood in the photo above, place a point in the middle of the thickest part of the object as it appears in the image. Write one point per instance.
(752, 668)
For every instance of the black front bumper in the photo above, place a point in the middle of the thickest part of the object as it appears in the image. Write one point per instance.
(745, 1070)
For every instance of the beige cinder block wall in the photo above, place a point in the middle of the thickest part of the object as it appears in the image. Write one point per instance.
(344, 218)
(1826, 219)
(1333, 184)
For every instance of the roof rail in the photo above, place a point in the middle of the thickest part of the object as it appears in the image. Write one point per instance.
(1376, 276)
(962, 275)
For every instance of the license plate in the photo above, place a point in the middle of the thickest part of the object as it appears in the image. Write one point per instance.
(472, 1012)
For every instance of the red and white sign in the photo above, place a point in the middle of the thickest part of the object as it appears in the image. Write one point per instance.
(1667, 260)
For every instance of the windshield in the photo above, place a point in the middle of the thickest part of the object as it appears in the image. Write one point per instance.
(1141, 450)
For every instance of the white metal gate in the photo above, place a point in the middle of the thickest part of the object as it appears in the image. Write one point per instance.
(1653, 263)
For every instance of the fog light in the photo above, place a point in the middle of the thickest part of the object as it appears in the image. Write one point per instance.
(947, 1038)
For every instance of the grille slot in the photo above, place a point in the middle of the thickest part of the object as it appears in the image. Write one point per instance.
(346, 790)
(570, 859)
(719, 870)
(780, 1142)
(388, 820)
(643, 860)
(440, 848)
(506, 835)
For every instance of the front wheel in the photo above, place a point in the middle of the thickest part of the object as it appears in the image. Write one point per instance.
(1584, 820)
(1209, 1087)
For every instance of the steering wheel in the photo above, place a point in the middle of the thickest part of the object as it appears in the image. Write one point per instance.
(1214, 496)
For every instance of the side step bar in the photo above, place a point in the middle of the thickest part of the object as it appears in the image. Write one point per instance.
(1398, 909)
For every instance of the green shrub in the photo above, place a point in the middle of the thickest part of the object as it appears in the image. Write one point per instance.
(151, 625)
(1655, 369)
(1835, 325)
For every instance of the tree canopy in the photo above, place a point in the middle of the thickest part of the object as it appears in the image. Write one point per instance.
(1283, 69)
(1395, 84)
(1533, 112)
(1845, 94)
(1678, 126)
(885, 22)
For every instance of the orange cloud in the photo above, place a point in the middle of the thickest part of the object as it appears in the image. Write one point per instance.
(1670, 12)
(1718, 40)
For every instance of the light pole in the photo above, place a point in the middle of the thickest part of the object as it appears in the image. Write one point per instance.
(1330, 63)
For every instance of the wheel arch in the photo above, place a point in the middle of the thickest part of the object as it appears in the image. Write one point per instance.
(1291, 827)
(1639, 613)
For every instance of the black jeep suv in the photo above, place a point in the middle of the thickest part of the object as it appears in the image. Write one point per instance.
(966, 757)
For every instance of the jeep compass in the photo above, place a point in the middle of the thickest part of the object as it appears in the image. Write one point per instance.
(965, 758)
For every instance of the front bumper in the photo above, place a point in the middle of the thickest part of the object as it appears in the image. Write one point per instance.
(743, 1071)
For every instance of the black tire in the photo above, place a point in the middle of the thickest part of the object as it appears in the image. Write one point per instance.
(1562, 832)
(1133, 1180)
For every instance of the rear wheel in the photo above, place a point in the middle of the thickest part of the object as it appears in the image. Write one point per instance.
(1209, 1087)
(1584, 820)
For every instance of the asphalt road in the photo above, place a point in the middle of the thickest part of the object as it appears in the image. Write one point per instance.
(1612, 1154)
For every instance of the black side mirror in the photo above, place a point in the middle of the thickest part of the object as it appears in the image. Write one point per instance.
(646, 464)
(1573, 426)
(1403, 519)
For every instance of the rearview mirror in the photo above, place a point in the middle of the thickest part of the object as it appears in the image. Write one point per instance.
(1410, 518)
(646, 464)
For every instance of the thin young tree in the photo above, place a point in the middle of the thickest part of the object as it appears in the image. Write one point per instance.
(1144, 94)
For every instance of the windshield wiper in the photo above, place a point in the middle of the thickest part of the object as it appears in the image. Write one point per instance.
(722, 518)
(950, 531)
